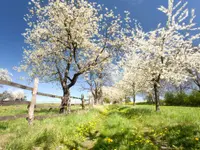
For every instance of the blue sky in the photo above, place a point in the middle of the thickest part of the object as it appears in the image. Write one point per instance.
(12, 25)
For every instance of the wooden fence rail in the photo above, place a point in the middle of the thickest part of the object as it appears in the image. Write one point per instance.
(34, 93)
(13, 84)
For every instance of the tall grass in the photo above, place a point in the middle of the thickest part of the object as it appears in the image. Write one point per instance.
(108, 128)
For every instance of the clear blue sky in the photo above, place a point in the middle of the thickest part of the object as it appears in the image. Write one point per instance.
(12, 25)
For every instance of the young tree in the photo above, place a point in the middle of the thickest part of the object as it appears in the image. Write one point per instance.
(134, 78)
(67, 39)
(95, 83)
(166, 52)
(113, 93)
(98, 78)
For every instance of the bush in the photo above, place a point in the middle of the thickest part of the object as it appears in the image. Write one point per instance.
(194, 98)
(143, 103)
(182, 99)
(106, 100)
(162, 103)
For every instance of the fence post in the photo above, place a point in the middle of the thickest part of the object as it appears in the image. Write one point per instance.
(33, 102)
(83, 101)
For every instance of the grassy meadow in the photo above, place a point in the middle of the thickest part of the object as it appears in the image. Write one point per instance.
(111, 127)
(41, 109)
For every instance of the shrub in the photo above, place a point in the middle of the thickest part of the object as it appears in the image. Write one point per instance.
(169, 98)
(194, 98)
(182, 99)
(106, 100)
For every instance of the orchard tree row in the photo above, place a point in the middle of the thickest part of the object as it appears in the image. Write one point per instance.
(73, 39)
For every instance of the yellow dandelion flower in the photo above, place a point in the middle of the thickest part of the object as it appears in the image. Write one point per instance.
(109, 140)
(196, 139)
(147, 141)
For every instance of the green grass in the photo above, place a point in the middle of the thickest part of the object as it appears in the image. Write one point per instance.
(13, 110)
(108, 128)
(43, 109)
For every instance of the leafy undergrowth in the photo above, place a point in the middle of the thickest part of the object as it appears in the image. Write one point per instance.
(109, 128)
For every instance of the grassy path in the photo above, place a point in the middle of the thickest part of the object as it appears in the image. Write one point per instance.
(108, 128)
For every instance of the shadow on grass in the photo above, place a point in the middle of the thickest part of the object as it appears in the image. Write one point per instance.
(3, 125)
(112, 142)
(45, 140)
(87, 144)
(185, 135)
(46, 111)
(181, 136)
(77, 145)
(96, 141)
(129, 112)
(177, 137)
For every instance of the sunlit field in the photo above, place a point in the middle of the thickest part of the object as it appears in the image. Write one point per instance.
(108, 128)
(41, 109)
(126, 74)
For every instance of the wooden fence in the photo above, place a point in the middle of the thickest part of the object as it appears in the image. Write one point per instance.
(34, 93)
(13, 84)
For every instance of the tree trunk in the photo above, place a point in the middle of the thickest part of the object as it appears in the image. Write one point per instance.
(100, 100)
(65, 103)
(134, 99)
(156, 97)
(91, 101)
(198, 87)
(96, 100)
(100, 96)
(83, 102)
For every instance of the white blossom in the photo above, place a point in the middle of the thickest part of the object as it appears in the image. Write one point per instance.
(5, 75)
(166, 53)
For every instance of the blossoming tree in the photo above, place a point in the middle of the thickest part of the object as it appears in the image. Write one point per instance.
(67, 39)
(113, 93)
(133, 79)
(167, 52)
(97, 78)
